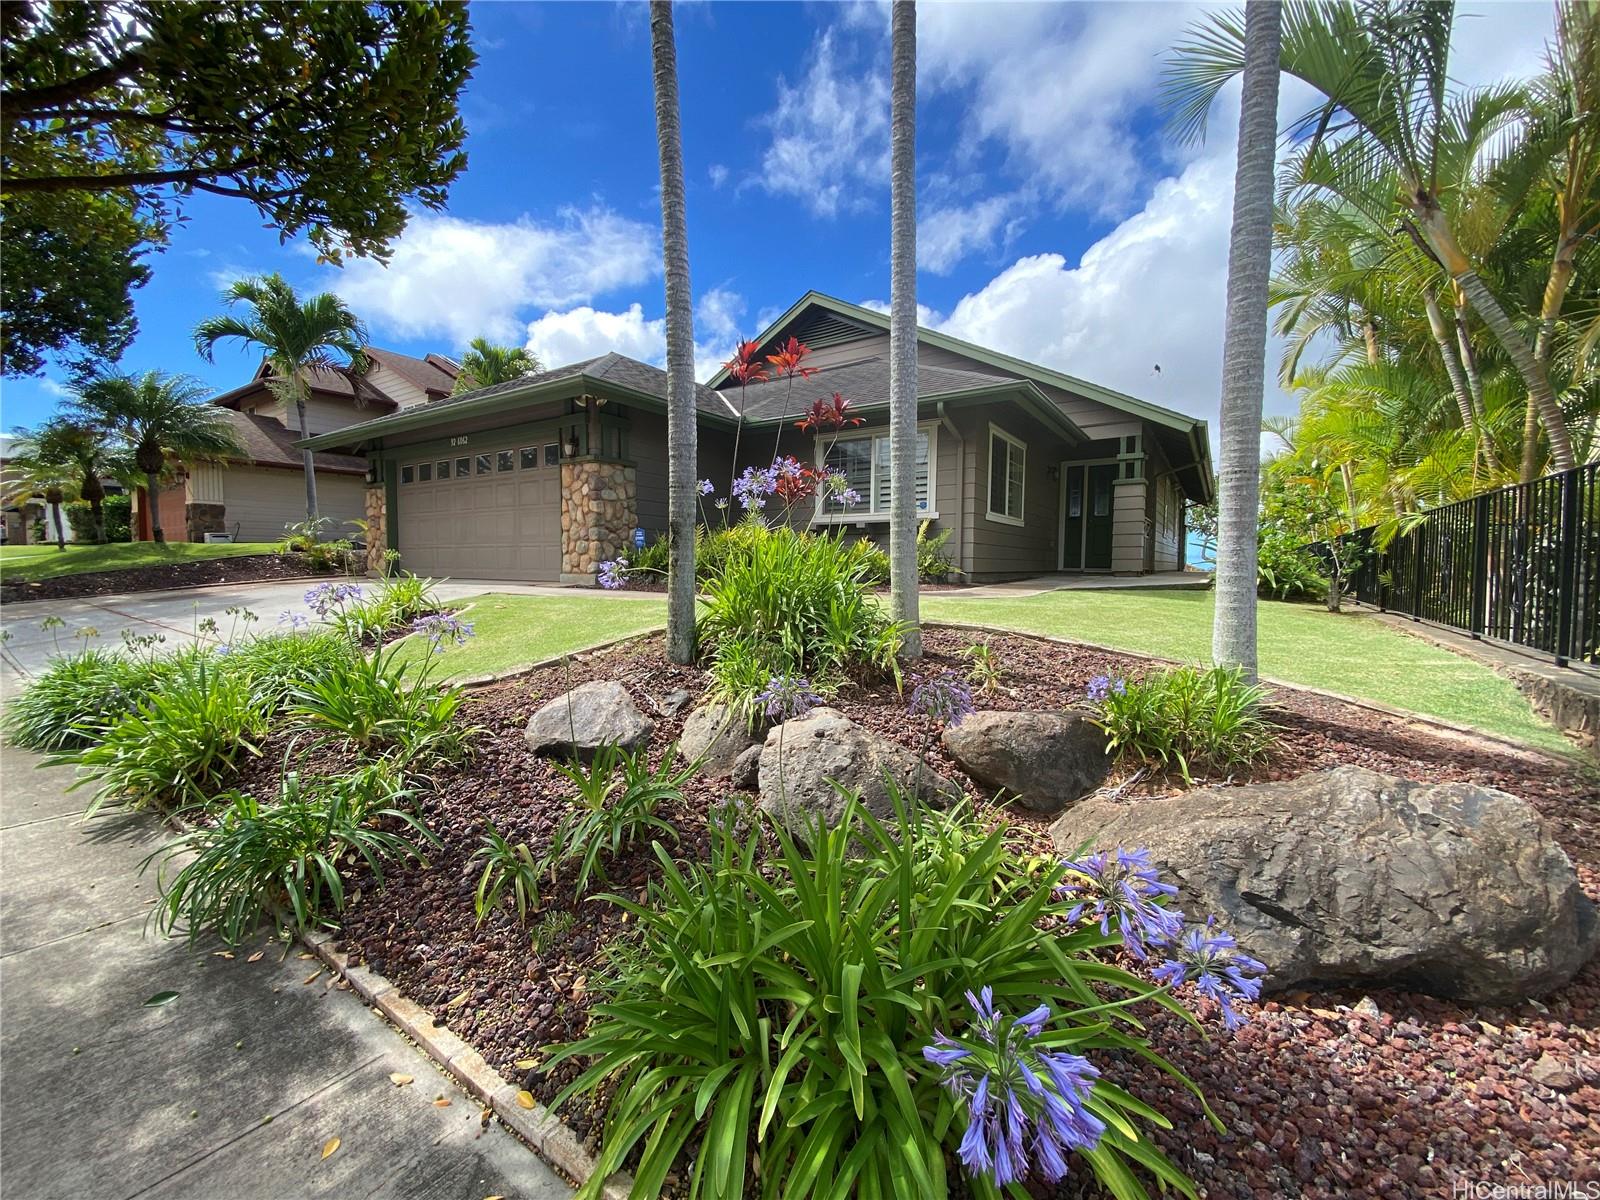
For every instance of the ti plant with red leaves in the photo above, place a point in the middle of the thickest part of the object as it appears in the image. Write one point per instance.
(747, 369)
(786, 363)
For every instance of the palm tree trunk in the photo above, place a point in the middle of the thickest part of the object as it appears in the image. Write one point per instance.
(152, 495)
(61, 528)
(1469, 360)
(903, 325)
(1452, 368)
(306, 460)
(1244, 352)
(94, 492)
(1555, 294)
(681, 434)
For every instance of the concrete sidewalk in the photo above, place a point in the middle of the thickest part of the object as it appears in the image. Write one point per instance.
(229, 1092)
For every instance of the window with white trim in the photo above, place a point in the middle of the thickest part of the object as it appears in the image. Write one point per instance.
(1008, 470)
(864, 462)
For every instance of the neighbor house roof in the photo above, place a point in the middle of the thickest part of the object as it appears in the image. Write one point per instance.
(1183, 437)
(435, 375)
(609, 376)
(267, 443)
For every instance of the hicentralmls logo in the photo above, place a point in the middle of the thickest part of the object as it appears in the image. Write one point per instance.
(1535, 1189)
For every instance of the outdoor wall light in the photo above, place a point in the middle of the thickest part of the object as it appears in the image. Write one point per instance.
(572, 444)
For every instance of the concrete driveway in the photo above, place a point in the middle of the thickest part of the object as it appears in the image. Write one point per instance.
(175, 616)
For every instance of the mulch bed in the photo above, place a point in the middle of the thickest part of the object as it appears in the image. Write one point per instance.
(1318, 1100)
(249, 568)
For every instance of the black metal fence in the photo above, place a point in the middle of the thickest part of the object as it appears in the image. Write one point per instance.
(1519, 565)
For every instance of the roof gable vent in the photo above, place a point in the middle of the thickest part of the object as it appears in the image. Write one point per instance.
(820, 329)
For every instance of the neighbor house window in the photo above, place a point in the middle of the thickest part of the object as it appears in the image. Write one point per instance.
(864, 462)
(1008, 462)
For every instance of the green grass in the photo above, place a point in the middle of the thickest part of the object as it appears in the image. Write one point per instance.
(26, 564)
(514, 631)
(1299, 643)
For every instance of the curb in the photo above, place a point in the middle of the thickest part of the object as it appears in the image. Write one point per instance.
(545, 1133)
(1370, 705)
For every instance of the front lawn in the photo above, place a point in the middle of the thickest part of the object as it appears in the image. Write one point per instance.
(28, 564)
(1299, 643)
(517, 631)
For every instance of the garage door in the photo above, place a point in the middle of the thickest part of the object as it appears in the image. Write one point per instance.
(491, 514)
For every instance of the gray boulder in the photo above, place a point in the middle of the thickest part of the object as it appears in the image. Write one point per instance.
(746, 772)
(804, 759)
(577, 723)
(1046, 759)
(717, 736)
(1353, 878)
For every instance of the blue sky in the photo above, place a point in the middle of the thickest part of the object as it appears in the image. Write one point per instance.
(1056, 221)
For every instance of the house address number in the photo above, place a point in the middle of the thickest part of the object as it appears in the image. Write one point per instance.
(461, 440)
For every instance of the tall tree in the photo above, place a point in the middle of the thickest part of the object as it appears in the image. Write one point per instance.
(333, 120)
(89, 455)
(38, 467)
(298, 337)
(1379, 136)
(1244, 352)
(487, 363)
(682, 450)
(903, 323)
(155, 416)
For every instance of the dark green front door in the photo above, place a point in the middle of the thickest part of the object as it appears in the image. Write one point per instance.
(1086, 516)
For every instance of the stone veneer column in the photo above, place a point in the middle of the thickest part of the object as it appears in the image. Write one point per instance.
(599, 512)
(200, 519)
(377, 513)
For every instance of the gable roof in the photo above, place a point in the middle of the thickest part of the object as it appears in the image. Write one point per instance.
(611, 376)
(435, 375)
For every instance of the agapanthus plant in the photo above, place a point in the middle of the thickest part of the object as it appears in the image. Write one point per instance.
(945, 698)
(1121, 887)
(1025, 1102)
(326, 597)
(440, 628)
(787, 697)
(1102, 686)
(613, 574)
(1210, 958)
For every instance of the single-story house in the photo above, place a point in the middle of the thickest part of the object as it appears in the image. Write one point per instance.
(254, 497)
(544, 478)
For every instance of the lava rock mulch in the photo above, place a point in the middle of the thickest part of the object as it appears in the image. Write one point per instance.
(1330, 1094)
(248, 568)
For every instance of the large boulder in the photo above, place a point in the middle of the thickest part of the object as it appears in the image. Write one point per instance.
(577, 723)
(1046, 759)
(716, 736)
(1350, 877)
(804, 759)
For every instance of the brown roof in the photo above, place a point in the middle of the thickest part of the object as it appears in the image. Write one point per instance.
(435, 375)
(266, 443)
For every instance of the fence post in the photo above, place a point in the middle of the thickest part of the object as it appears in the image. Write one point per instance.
(1567, 569)
(1480, 564)
(1416, 570)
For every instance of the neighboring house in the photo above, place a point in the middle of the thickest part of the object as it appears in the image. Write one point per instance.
(20, 515)
(543, 478)
(253, 498)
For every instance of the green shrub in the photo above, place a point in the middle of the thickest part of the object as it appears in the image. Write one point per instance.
(505, 864)
(932, 562)
(391, 605)
(1285, 569)
(379, 704)
(1184, 717)
(115, 510)
(184, 742)
(286, 859)
(274, 665)
(776, 1008)
(80, 696)
(310, 538)
(618, 795)
(794, 605)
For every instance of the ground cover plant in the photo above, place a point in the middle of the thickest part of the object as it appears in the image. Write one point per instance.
(1184, 718)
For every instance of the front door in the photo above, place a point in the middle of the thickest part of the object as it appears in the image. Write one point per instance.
(1086, 516)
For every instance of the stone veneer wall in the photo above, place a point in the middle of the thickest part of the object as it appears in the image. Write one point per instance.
(377, 527)
(201, 519)
(599, 511)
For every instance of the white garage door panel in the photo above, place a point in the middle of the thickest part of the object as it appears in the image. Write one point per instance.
(498, 525)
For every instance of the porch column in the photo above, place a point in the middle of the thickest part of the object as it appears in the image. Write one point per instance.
(377, 514)
(1129, 529)
(599, 512)
(203, 508)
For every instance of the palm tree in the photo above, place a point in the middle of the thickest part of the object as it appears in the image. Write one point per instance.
(487, 363)
(903, 324)
(88, 453)
(682, 450)
(1244, 350)
(1380, 136)
(319, 334)
(38, 466)
(155, 416)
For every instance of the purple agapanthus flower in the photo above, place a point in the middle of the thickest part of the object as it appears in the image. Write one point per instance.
(705, 487)
(754, 485)
(1210, 958)
(1122, 886)
(787, 697)
(326, 597)
(1102, 686)
(440, 628)
(850, 497)
(946, 698)
(1026, 1104)
(293, 619)
(613, 574)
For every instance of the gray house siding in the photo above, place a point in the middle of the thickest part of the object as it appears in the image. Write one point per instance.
(1000, 550)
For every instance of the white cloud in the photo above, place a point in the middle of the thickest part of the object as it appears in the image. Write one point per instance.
(464, 278)
(830, 131)
(718, 174)
(558, 338)
(946, 235)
